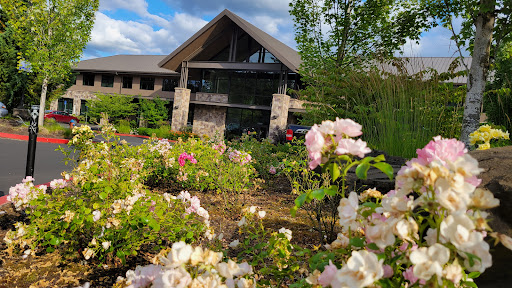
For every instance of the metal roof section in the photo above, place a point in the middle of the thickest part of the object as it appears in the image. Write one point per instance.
(414, 65)
(125, 64)
(288, 56)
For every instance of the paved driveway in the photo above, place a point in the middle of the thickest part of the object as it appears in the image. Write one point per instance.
(13, 158)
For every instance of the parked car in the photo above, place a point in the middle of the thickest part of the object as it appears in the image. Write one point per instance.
(60, 116)
(298, 131)
(3, 110)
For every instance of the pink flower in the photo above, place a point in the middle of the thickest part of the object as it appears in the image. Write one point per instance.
(409, 275)
(442, 150)
(184, 156)
(353, 147)
(272, 170)
(327, 276)
(315, 140)
(28, 179)
(221, 147)
(347, 127)
(388, 271)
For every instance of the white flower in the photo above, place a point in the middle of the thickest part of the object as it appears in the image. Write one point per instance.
(180, 254)
(177, 277)
(429, 261)
(106, 244)
(431, 237)
(453, 194)
(88, 253)
(347, 211)
(505, 240)
(381, 233)
(458, 228)
(340, 242)
(234, 243)
(252, 209)
(361, 270)
(228, 270)
(96, 214)
(484, 199)
(197, 256)
(242, 222)
(287, 233)
(262, 214)
(453, 272)
(481, 250)
(406, 229)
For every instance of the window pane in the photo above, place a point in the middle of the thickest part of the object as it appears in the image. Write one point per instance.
(88, 79)
(169, 84)
(147, 83)
(107, 80)
(127, 82)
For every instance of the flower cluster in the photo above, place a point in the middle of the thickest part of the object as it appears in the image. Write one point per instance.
(187, 266)
(21, 194)
(483, 136)
(221, 147)
(58, 183)
(334, 138)
(82, 135)
(184, 156)
(195, 205)
(239, 156)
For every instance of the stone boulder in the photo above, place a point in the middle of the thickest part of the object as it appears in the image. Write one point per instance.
(497, 177)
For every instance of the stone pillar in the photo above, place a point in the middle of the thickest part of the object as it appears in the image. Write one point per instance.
(210, 121)
(77, 105)
(54, 105)
(278, 115)
(180, 108)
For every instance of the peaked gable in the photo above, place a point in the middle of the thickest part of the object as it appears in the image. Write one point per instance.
(217, 29)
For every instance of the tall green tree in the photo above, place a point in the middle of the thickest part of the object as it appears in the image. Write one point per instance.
(487, 25)
(335, 37)
(52, 35)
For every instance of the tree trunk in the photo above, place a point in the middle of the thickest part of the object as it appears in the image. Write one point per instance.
(42, 103)
(479, 68)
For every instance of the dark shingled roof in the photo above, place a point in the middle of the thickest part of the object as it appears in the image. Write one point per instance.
(136, 64)
(288, 56)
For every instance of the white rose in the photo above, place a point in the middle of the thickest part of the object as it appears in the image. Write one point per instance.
(347, 211)
(234, 243)
(406, 229)
(458, 228)
(106, 244)
(228, 270)
(429, 261)
(180, 254)
(453, 272)
(381, 233)
(362, 269)
(287, 233)
(262, 214)
(176, 277)
(484, 199)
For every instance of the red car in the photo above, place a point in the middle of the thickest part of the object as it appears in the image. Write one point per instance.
(60, 116)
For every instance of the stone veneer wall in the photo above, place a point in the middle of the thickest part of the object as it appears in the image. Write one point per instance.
(211, 97)
(278, 115)
(209, 120)
(77, 97)
(180, 108)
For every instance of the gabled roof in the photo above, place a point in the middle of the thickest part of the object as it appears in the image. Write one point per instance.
(413, 65)
(136, 64)
(288, 56)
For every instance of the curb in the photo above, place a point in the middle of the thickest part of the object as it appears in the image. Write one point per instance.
(39, 139)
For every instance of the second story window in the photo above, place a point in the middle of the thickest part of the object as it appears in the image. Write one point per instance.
(127, 82)
(147, 83)
(169, 84)
(107, 80)
(88, 79)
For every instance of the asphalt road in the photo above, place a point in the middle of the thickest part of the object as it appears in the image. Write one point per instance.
(13, 158)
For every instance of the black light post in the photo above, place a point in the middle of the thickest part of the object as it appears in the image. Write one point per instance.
(32, 140)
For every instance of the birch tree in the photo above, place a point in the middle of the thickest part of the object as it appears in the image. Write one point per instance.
(52, 35)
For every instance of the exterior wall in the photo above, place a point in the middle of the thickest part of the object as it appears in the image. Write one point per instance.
(118, 84)
(278, 115)
(296, 104)
(210, 121)
(77, 97)
(211, 97)
(180, 109)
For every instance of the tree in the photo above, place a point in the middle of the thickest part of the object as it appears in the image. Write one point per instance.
(154, 111)
(335, 37)
(486, 27)
(52, 35)
(115, 105)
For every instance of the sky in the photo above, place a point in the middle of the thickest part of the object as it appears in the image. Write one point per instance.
(157, 27)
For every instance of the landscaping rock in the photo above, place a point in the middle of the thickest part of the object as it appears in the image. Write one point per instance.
(497, 177)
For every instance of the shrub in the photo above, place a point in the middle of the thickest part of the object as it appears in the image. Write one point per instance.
(154, 111)
(124, 126)
(116, 106)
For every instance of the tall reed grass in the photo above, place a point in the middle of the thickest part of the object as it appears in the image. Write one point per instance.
(400, 114)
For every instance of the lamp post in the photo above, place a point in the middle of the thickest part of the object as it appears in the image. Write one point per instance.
(32, 140)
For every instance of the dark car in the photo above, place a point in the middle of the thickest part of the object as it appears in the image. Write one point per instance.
(298, 131)
(60, 116)
(3, 110)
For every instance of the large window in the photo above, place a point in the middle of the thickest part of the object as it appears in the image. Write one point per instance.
(240, 121)
(127, 82)
(147, 83)
(88, 79)
(215, 81)
(169, 84)
(107, 80)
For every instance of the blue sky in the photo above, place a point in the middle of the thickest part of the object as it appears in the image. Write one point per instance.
(160, 26)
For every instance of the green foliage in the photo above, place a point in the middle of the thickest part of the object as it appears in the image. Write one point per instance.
(106, 211)
(498, 98)
(123, 127)
(154, 111)
(117, 107)
(165, 132)
(51, 35)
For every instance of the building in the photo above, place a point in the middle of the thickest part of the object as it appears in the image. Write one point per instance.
(231, 76)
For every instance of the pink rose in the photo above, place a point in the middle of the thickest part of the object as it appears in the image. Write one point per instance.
(347, 127)
(442, 150)
(350, 146)
(314, 140)
(326, 277)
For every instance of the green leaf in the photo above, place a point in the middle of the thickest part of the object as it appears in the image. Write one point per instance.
(379, 158)
(109, 190)
(331, 191)
(356, 241)
(318, 194)
(369, 204)
(103, 195)
(55, 241)
(37, 213)
(386, 168)
(190, 235)
(50, 249)
(95, 206)
(293, 211)
(300, 200)
(470, 284)
(362, 170)
(474, 274)
(144, 219)
(373, 246)
(335, 171)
